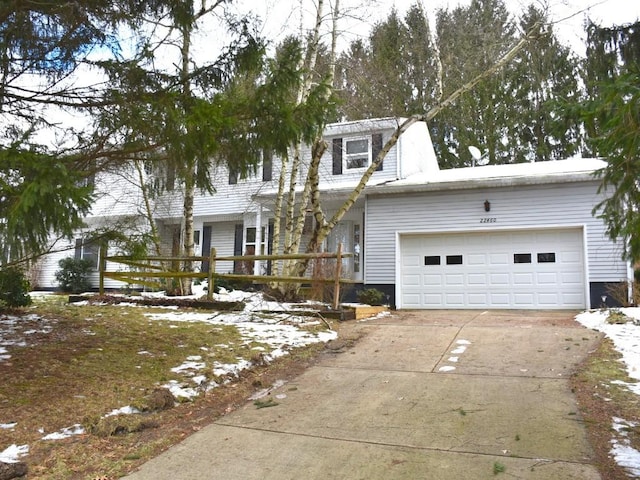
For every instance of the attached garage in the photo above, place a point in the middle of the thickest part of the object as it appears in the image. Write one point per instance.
(518, 269)
(519, 236)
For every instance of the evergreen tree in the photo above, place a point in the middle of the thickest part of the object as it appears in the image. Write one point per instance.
(44, 44)
(545, 74)
(472, 38)
(393, 73)
(612, 120)
(226, 107)
(509, 115)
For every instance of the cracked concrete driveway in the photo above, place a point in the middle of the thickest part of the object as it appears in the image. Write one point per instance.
(423, 395)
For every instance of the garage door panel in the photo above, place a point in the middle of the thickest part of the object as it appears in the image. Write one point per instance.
(454, 280)
(455, 299)
(572, 278)
(548, 299)
(410, 260)
(411, 280)
(499, 279)
(412, 300)
(573, 299)
(478, 300)
(432, 280)
(547, 278)
(433, 299)
(523, 299)
(476, 259)
(500, 300)
(571, 257)
(513, 269)
(523, 279)
(499, 259)
(477, 279)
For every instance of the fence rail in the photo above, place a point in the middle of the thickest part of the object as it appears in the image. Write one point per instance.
(154, 267)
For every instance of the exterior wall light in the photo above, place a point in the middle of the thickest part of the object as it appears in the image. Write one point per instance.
(487, 206)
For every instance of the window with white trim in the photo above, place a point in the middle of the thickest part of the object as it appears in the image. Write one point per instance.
(87, 249)
(357, 153)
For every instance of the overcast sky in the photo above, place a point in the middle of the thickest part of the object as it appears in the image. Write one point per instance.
(284, 15)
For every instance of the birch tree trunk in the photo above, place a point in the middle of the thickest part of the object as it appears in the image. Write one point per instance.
(292, 225)
(189, 163)
(148, 211)
(311, 194)
(323, 226)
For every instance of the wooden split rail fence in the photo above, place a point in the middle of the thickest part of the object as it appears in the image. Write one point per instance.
(142, 270)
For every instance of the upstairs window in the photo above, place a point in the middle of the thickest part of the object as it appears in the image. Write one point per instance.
(233, 175)
(355, 152)
(267, 166)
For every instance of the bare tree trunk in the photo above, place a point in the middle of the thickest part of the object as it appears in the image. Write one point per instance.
(148, 211)
(323, 230)
(189, 163)
(324, 226)
(294, 223)
(282, 180)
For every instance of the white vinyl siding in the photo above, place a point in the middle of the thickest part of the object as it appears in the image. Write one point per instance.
(47, 266)
(117, 194)
(546, 206)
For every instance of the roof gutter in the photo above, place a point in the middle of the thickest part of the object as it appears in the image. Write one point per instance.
(468, 184)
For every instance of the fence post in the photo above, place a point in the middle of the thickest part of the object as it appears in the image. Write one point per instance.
(102, 265)
(336, 286)
(212, 269)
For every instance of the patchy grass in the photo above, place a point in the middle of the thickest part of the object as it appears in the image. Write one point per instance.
(498, 468)
(74, 364)
(600, 400)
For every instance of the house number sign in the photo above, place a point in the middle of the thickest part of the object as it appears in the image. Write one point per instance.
(488, 220)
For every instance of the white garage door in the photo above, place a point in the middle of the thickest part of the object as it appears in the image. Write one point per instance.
(511, 269)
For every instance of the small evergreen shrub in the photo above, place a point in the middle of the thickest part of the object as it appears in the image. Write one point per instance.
(371, 296)
(14, 288)
(73, 275)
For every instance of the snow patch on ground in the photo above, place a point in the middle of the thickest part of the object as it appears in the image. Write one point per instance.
(626, 456)
(67, 432)
(626, 340)
(625, 337)
(13, 453)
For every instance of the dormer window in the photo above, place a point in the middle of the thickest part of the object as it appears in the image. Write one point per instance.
(354, 153)
(357, 153)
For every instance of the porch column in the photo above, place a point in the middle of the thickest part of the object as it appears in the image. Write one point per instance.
(257, 264)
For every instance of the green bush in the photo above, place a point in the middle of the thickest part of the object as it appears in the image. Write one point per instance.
(371, 296)
(73, 275)
(14, 288)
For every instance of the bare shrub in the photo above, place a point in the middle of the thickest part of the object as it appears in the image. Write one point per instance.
(322, 270)
(626, 293)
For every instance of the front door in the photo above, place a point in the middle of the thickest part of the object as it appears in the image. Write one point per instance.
(349, 234)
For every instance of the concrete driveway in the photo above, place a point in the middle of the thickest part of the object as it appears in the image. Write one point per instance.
(423, 395)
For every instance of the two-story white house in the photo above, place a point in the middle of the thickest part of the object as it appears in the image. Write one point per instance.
(507, 236)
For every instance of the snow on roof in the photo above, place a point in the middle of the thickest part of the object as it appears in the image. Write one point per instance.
(572, 169)
(362, 126)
